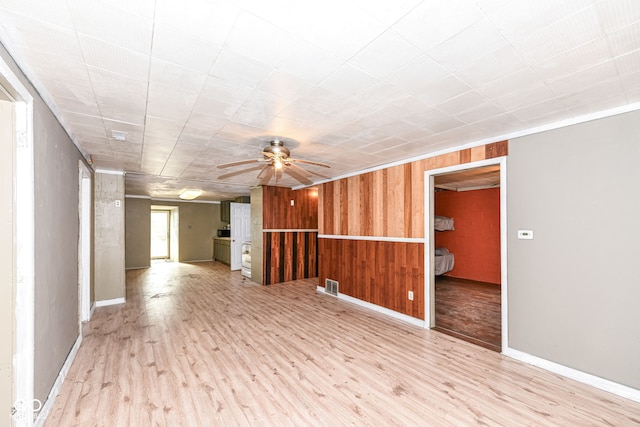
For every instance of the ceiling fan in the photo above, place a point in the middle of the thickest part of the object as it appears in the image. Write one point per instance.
(274, 162)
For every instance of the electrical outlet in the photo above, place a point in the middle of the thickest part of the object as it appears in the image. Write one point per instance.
(410, 295)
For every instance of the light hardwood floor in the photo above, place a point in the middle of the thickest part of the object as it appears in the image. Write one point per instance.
(196, 345)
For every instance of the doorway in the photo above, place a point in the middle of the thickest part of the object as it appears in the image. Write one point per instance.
(160, 234)
(17, 251)
(465, 253)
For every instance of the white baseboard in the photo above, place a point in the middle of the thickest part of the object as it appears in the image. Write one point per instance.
(377, 308)
(138, 268)
(574, 374)
(93, 308)
(107, 302)
(55, 389)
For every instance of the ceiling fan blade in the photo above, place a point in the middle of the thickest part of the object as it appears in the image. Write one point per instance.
(264, 170)
(267, 154)
(309, 162)
(268, 173)
(241, 162)
(300, 170)
(295, 174)
(230, 174)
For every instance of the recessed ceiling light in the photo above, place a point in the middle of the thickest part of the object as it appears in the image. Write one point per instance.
(190, 194)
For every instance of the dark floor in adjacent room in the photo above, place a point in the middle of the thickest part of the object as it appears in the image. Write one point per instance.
(469, 310)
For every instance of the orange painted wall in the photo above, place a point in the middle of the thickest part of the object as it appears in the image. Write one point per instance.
(475, 242)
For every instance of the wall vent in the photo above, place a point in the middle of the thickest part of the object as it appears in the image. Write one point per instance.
(331, 287)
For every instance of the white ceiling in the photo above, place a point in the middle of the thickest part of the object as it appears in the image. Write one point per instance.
(352, 83)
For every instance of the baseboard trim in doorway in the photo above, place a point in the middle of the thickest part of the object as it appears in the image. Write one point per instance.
(377, 308)
(106, 302)
(57, 386)
(574, 374)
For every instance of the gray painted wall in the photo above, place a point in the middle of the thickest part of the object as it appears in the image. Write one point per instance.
(109, 242)
(137, 233)
(574, 290)
(56, 241)
(199, 223)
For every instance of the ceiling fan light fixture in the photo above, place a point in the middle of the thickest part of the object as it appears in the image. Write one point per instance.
(190, 194)
(277, 163)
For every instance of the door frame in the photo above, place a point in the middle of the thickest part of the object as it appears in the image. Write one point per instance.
(168, 213)
(429, 241)
(24, 238)
(84, 242)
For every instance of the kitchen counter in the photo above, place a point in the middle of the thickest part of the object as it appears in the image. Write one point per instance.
(222, 250)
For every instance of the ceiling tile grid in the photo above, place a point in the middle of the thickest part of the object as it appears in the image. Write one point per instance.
(352, 83)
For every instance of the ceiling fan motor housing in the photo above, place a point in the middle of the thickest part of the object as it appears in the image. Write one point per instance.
(276, 149)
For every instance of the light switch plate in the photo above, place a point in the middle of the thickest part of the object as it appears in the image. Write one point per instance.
(525, 234)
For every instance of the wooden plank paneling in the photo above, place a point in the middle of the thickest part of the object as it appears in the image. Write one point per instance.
(390, 202)
(354, 212)
(378, 272)
(289, 256)
(497, 149)
(279, 214)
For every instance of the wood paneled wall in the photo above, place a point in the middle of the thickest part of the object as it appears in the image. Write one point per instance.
(384, 203)
(378, 272)
(388, 202)
(279, 214)
(289, 256)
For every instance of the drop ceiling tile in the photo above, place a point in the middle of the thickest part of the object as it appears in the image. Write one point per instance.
(183, 49)
(58, 67)
(469, 45)
(50, 12)
(541, 109)
(479, 112)
(239, 133)
(615, 14)
(560, 36)
(523, 98)
(519, 19)
(343, 29)
(438, 92)
(584, 100)
(388, 12)
(380, 94)
(116, 26)
(522, 79)
(462, 102)
(431, 23)
(628, 64)
(156, 127)
(418, 75)
(310, 63)
(491, 67)
(76, 105)
(37, 35)
(259, 109)
(237, 69)
(584, 78)
(285, 85)
(203, 19)
(260, 40)
(132, 111)
(583, 56)
(625, 40)
(116, 59)
(170, 102)
(109, 84)
(386, 54)
(348, 81)
(180, 78)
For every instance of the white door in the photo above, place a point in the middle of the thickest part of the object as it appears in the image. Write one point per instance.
(240, 231)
